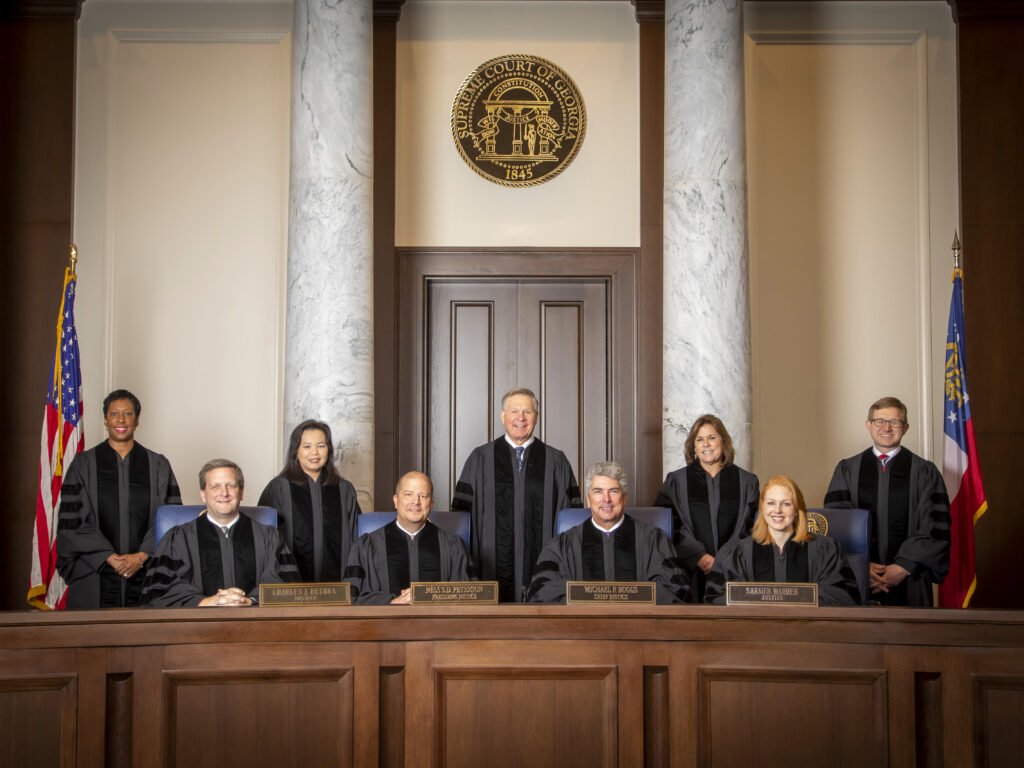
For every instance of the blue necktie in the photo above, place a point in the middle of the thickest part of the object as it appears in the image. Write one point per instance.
(520, 450)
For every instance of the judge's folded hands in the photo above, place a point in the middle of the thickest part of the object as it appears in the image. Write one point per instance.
(127, 565)
(232, 597)
(404, 598)
(885, 577)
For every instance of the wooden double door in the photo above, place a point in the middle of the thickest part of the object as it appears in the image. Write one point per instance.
(476, 324)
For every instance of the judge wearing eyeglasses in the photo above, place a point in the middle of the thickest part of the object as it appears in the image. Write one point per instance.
(909, 509)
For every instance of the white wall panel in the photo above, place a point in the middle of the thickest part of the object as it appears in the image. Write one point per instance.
(181, 193)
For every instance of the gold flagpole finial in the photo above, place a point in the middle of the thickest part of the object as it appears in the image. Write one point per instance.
(956, 251)
(74, 257)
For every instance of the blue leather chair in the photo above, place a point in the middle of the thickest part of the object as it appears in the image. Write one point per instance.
(657, 516)
(852, 529)
(456, 523)
(171, 515)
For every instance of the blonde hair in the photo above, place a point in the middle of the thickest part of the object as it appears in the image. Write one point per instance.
(760, 532)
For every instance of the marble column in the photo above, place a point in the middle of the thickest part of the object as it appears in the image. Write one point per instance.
(329, 331)
(706, 306)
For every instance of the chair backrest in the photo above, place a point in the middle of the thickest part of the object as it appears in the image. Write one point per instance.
(657, 516)
(852, 529)
(170, 515)
(456, 523)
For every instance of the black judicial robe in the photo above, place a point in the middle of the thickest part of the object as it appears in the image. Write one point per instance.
(194, 560)
(698, 520)
(512, 513)
(909, 518)
(107, 506)
(386, 561)
(819, 560)
(318, 522)
(635, 551)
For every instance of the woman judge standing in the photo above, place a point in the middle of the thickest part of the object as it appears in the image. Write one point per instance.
(713, 501)
(316, 506)
(107, 509)
(781, 549)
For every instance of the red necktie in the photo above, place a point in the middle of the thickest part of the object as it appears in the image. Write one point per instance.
(884, 458)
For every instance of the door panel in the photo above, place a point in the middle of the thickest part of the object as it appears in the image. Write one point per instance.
(485, 337)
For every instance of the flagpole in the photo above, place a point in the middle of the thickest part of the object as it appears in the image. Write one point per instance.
(956, 254)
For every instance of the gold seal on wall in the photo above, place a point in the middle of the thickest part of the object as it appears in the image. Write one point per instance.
(518, 120)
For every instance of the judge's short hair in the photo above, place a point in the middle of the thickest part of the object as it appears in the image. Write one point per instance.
(213, 464)
(760, 532)
(415, 472)
(690, 447)
(888, 402)
(521, 391)
(293, 470)
(121, 394)
(610, 469)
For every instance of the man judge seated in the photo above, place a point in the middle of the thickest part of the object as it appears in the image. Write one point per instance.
(610, 546)
(385, 562)
(222, 556)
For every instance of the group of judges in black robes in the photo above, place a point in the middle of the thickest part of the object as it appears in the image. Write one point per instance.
(724, 527)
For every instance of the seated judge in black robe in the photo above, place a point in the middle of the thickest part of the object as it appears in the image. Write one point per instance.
(909, 509)
(610, 546)
(513, 488)
(221, 557)
(106, 511)
(713, 501)
(781, 549)
(385, 562)
(316, 506)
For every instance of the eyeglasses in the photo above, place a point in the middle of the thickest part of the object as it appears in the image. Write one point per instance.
(894, 423)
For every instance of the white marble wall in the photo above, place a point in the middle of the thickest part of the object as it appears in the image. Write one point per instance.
(706, 304)
(329, 325)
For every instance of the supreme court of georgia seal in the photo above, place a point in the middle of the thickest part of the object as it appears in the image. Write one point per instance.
(518, 120)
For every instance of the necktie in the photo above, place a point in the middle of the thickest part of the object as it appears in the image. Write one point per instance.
(884, 458)
(520, 450)
(226, 531)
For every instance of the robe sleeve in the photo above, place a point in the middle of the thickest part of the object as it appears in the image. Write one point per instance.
(840, 490)
(166, 492)
(277, 564)
(172, 580)
(660, 564)
(468, 497)
(828, 567)
(688, 547)
(752, 492)
(366, 564)
(568, 488)
(349, 520)
(732, 564)
(925, 552)
(552, 571)
(81, 548)
(454, 564)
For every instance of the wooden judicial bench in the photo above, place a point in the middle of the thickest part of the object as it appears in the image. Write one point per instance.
(512, 686)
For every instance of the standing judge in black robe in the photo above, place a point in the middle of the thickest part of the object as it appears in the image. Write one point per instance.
(781, 549)
(610, 546)
(909, 509)
(221, 557)
(316, 506)
(107, 507)
(512, 489)
(411, 548)
(713, 501)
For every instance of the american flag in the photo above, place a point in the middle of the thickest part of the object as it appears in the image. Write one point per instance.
(960, 467)
(61, 440)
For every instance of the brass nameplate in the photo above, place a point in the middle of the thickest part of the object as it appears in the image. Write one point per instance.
(326, 593)
(518, 120)
(434, 592)
(771, 593)
(609, 592)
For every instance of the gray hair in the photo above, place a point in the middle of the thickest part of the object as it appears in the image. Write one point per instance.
(521, 391)
(213, 464)
(610, 469)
